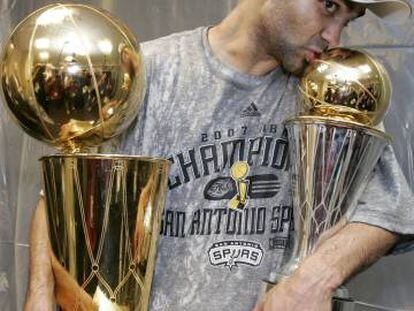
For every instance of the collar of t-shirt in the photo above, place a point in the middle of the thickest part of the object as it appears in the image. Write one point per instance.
(231, 73)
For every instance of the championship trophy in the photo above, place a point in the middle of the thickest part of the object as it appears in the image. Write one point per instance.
(73, 76)
(333, 144)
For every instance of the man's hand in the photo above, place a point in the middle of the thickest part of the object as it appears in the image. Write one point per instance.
(41, 282)
(340, 256)
(48, 279)
(287, 295)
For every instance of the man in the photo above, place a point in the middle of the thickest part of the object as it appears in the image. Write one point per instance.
(215, 102)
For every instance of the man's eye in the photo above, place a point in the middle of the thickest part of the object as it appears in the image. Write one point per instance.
(331, 7)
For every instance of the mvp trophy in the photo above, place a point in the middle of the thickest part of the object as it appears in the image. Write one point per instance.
(333, 144)
(73, 76)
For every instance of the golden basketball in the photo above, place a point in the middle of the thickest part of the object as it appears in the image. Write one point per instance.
(346, 84)
(72, 76)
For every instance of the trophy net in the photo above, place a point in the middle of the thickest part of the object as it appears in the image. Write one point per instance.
(104, 216)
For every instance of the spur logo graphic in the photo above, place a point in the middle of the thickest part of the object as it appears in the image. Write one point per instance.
(230, 254)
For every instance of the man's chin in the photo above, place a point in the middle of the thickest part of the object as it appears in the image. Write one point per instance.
(297, 71)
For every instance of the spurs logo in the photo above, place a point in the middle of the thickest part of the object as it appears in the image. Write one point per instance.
(230, 254)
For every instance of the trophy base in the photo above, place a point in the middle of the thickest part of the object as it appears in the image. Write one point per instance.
(341, 300)
(339, 304)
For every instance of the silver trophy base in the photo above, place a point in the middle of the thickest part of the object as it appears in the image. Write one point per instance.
(341, 301)
(350, 305)
(331, 162)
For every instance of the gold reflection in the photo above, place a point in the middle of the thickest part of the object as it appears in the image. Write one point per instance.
(105, 46)
(42, 43)
(72, 76)
(53, 15)
(106, 304)
(347, 84)
(44, 55)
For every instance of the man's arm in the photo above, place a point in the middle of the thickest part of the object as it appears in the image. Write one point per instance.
(351, 249)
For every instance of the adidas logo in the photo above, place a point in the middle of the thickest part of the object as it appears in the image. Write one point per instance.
(251, 111)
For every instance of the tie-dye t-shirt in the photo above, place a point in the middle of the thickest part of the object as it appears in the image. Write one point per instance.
(205, 116)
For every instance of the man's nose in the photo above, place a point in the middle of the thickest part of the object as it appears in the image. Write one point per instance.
(332, 34)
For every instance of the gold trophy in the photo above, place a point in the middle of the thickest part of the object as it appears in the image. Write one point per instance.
(333, 143)
(73, 76)
(238, 172)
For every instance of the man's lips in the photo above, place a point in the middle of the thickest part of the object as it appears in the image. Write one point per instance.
(312, 55)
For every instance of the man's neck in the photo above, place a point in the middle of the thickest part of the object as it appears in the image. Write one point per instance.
(234, 41)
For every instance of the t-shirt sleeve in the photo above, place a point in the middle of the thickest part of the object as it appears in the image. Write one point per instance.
(387, 201)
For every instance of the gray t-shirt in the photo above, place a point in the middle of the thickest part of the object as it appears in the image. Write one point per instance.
(204, 116)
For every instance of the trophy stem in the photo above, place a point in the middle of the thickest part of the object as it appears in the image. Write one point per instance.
(104, 213)
(331, 161)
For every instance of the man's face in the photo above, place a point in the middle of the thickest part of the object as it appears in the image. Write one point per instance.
(295, 32)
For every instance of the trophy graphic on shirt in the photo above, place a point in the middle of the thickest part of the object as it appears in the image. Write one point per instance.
(73, 76)
(238, 172)
(333, 143)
